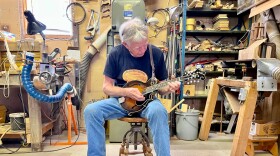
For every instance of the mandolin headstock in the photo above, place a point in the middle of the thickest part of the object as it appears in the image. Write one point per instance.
(194, 76)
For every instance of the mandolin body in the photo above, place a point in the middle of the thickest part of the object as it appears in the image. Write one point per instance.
(133, 106)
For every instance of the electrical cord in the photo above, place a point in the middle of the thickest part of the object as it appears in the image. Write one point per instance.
(21, 98)
(16, 152)
(157, 29)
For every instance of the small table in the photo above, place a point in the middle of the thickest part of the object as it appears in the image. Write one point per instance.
(246, 112)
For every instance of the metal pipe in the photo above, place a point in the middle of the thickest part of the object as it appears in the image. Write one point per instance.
(85, 63)
(269, 66)
(273, 35)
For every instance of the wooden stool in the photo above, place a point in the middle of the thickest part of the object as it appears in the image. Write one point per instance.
(136, 128)
(265, 143)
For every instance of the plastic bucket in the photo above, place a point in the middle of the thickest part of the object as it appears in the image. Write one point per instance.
(187, 125)
(17, 121)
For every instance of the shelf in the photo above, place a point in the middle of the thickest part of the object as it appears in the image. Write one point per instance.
(210, 12)
(218, 73)
(214, 33)
(202, 96)
(211, 52)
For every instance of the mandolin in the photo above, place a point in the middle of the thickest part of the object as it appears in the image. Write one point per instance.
(149, 89)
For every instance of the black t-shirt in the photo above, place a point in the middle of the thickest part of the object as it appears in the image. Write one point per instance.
(120, 60)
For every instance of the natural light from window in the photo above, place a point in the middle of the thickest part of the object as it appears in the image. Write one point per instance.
(52, 13)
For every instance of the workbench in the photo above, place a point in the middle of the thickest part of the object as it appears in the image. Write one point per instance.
(245, 117)
(34, 134)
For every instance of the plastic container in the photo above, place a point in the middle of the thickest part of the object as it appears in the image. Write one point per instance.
(191, 21)
(190, 27)
(187, 125)
(17, 121)
(3, 111)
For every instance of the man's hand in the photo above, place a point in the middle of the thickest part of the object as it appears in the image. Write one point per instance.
(173, 86)
(134, 93)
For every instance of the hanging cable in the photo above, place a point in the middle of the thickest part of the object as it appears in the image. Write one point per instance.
(157, 28)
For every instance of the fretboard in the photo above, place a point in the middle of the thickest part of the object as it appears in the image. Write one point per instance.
(155, 87)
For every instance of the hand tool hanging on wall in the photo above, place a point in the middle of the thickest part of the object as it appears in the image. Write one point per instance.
(105, 9)
(93, 25)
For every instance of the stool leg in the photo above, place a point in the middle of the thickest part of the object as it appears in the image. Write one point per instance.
(121, 149)
(135, 140)
(124, 151)
(146, 145)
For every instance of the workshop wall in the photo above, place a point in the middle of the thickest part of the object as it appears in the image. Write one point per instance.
(93, 90)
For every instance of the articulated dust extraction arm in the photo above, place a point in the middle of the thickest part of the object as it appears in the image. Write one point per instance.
(32, 91)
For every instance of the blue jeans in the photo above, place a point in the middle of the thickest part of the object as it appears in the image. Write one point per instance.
(96, 113)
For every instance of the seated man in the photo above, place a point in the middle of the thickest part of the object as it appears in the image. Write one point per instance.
(132, 58)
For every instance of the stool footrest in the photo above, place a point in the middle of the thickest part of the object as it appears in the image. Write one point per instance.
(131, 138)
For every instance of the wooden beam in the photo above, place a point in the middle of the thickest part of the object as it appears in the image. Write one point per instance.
(263, 7)
(231, 83)
(246, 113)
(47, 127)
(35, 123)
(232, 100)
(21, 46)
(209, 110)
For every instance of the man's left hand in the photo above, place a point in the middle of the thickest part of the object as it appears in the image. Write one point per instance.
(173, 86)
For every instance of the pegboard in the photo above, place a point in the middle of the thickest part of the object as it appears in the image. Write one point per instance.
(10, 16)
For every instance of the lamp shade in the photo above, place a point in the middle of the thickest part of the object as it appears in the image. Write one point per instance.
(33, 26)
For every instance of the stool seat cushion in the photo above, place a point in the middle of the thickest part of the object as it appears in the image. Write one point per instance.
(133, 119)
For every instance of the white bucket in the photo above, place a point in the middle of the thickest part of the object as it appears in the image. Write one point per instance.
(17, 121)
(187, 125)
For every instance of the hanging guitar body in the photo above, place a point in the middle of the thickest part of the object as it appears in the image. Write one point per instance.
(133, 106)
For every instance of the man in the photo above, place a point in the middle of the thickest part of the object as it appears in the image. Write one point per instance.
(130, 60)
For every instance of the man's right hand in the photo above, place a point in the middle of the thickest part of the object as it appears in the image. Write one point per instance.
(134, 93)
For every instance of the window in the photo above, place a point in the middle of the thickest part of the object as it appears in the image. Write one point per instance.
(52, 13)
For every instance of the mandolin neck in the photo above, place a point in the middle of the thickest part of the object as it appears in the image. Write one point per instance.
(158, 86)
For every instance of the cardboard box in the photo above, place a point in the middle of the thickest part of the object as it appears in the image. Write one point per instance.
(189, 90)
(261, 128)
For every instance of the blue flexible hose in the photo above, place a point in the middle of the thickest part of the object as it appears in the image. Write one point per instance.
(32, 91)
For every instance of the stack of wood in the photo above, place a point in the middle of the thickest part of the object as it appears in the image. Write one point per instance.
(221, 22)
(217, 5)
(199, 4)
(196, 4)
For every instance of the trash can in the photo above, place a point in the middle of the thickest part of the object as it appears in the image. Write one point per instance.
(17, 121)
(187, 125)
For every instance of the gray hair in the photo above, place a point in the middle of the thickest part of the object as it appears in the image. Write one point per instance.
(133, 30)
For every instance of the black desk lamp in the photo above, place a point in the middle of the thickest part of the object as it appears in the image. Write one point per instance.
(34, 27)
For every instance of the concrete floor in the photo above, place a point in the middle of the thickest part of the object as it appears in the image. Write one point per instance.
(217, 145)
